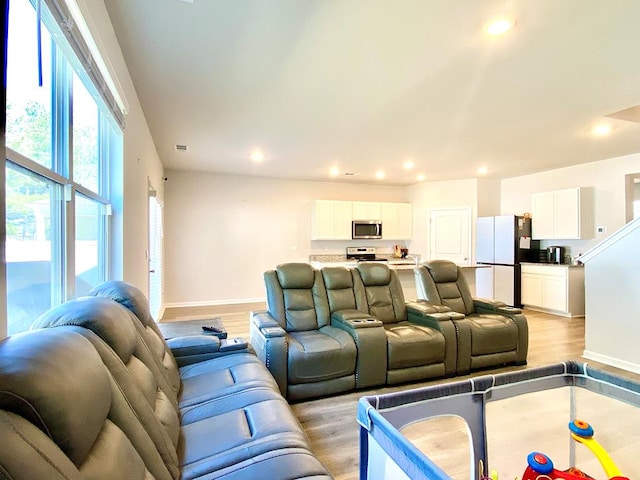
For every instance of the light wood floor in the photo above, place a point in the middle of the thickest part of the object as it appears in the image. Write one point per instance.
(330, 423)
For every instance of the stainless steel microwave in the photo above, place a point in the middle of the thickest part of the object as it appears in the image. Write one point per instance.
(366, 229)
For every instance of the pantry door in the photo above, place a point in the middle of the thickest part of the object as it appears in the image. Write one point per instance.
(450, 235)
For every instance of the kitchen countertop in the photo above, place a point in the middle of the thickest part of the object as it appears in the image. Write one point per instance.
(398, 264)
(394, 264)
(541, 264)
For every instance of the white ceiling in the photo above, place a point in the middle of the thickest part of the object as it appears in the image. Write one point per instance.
(365, 84)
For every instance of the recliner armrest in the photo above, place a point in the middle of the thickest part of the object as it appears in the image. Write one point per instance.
(264, 322)
(354, 319)
(193, 345)
(430, 310)
(495, 306)
(441, 318)
(427, 307)
(371, 343)
(270, 342)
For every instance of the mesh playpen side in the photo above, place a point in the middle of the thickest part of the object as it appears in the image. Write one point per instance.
(385, 453)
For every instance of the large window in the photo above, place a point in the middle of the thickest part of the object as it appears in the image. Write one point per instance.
(58, 156)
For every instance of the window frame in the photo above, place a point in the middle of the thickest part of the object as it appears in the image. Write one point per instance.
(64, 65)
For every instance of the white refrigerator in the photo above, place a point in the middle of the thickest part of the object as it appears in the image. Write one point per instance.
(502, 242)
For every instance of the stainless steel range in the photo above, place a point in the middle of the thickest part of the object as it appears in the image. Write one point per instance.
(363, 254)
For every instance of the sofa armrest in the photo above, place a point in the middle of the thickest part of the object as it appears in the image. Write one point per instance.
(263, 319)
(515, 314)
(494, 306)
(436, 317)
(371, 343)
(198, 348)
(270, 342)
(428, 307)
(193, 345)
(353, 319)
(431, 315)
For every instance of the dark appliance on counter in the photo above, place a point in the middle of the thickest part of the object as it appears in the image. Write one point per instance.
(502, 243)
(363, 254)
(366, 229)
(555, 254)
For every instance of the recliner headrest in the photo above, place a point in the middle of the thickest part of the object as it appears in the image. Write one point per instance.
(336, 278)
(374, 273)
(295, 275)
(107, 319)
(442, 270)
(57, 381)
(126, 295)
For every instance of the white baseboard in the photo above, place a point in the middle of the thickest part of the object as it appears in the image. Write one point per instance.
(612, 361)
(213, 303)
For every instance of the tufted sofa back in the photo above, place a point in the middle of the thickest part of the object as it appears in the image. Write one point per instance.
(111, 329)
(100, 437)
(441, 282)
(134, 300)
(344, 289)
(296, 297)
(383, 292)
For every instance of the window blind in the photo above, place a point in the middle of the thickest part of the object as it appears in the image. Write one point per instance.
(61, 14)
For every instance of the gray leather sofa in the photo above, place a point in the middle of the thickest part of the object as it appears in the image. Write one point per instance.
(94, 392)
(490, 334)
(336, 329)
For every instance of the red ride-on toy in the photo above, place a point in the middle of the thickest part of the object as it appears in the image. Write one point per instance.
(541, 467)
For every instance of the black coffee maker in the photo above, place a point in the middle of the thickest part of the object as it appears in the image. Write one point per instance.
(555, 254)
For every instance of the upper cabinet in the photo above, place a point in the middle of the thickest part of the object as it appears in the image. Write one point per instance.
(331, 219)
(563, 214)
(397, 221)
(366, 211)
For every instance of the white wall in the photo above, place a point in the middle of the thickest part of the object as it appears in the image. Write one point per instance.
(607, 178)
(224, 231)
(612, 305)
(141, 161)
(431, 195)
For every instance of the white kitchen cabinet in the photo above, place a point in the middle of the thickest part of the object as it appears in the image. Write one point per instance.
(557, 289)
(563, 214)
(366, 211)
(397, 221)
(331, 220)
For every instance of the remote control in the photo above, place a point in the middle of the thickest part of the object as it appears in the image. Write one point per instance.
(208, 328)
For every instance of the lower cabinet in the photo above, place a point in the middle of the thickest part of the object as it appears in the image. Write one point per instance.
(557, 289)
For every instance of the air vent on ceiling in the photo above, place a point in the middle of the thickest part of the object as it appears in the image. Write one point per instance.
(181, 148)
(349, 174)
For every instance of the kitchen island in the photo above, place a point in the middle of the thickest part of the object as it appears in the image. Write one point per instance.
(403, 267)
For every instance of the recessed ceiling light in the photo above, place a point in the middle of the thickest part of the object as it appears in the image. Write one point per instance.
(499, 27)
(601, 130)
(408, 164)
(334, 172)
(420, 177)
(257, 155)
(483, 171)
(380, 174)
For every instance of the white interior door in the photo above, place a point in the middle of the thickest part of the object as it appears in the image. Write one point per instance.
(155, 256)
(450, 235)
